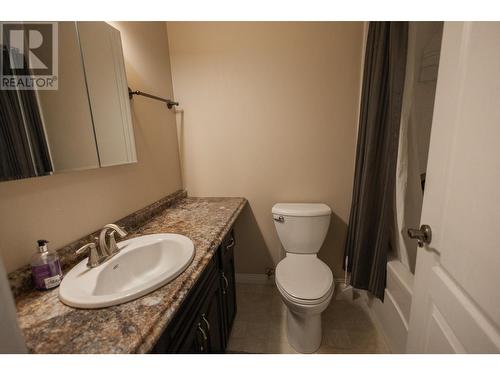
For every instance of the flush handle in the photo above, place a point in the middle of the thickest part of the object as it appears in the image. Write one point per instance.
(422, 235)
(279, 219)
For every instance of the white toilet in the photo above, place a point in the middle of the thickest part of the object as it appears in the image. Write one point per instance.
(305, 282)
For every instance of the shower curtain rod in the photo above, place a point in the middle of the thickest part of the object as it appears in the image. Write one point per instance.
(170, 103)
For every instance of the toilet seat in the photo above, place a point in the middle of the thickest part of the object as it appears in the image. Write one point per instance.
(304, 302)
(304, 279)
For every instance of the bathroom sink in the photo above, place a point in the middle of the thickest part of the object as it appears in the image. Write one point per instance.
(143, 264)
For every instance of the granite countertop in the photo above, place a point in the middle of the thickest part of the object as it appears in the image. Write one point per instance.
(49, 326)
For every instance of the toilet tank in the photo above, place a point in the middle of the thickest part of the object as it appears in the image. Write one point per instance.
(301, 227)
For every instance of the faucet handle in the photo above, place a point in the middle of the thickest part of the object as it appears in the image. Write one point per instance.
(94, 259)
(112, 246)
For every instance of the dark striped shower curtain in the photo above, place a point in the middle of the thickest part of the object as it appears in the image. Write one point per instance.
(371, 221)
(23, 146)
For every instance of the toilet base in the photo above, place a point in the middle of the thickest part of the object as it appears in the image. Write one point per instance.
(304, 331)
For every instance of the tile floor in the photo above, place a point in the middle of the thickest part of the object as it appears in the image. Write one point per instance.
(260, 325)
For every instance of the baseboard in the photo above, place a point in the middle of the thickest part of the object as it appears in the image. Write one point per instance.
(261, 278)
(254, 278)
(338, 281)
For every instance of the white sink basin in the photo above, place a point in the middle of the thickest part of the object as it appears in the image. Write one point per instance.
(143, 265)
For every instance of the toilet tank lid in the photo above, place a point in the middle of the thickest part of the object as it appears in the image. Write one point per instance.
(301, 209)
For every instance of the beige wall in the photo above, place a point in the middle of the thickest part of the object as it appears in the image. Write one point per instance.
(270, 113)
(64, 207)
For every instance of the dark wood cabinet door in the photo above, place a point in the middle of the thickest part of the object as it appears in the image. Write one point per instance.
(228, 284)
(212, 317)
(205, 334)
(229, 294)
(182, 334)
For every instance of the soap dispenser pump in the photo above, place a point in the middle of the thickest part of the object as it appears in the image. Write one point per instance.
(45, 267)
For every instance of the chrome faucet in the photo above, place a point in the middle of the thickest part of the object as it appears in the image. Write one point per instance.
(108, 231)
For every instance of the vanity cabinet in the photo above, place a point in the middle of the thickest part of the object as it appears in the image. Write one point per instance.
(203, 322)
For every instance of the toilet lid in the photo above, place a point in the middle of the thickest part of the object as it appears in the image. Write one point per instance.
(304, 276)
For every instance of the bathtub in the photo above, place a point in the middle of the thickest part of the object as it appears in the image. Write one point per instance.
(393, 314)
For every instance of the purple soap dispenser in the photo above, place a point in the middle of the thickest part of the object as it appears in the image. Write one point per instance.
(45, 267)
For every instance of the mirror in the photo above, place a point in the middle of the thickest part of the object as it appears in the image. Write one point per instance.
(66, 112)
(85, 123)
(108, 92)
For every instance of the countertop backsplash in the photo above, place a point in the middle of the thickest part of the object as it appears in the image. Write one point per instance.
(21, 281)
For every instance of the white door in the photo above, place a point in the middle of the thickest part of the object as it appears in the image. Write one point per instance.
(456, 300)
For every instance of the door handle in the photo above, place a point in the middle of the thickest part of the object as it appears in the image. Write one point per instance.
(422, 235)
